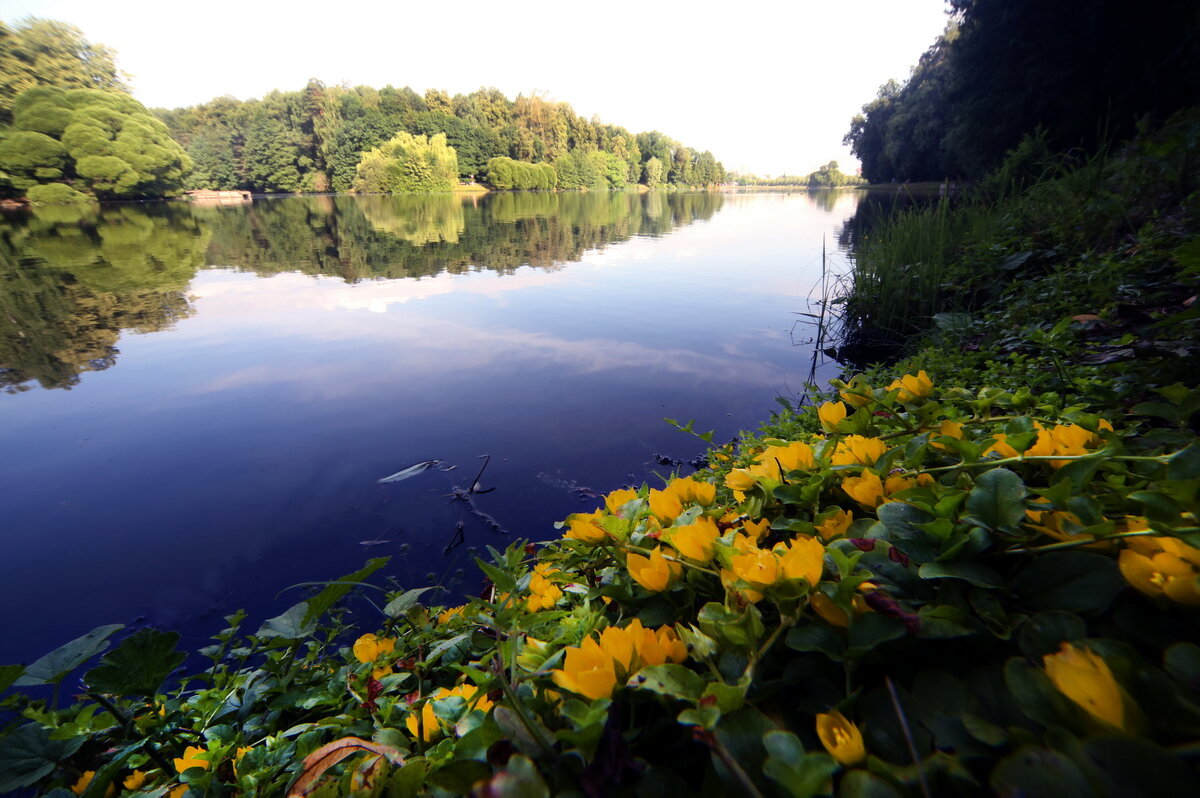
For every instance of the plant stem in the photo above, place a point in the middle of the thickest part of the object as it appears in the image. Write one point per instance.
(908, 738)
(1070, 544)
(722, 752)
(668, 558)
(514, 704)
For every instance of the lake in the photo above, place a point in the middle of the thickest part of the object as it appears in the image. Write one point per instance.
(199, 401)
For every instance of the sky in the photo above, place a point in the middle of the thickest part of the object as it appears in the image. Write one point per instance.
(768, 87)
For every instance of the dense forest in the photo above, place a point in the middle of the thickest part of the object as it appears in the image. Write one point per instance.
(1080, 71)
(314, 139)
(55, 143)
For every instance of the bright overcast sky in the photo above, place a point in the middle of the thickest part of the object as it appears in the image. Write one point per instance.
(768, 87)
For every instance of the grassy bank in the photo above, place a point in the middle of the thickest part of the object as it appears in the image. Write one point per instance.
(972, 571)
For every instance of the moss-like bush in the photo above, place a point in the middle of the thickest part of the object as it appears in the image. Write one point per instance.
(57, 194)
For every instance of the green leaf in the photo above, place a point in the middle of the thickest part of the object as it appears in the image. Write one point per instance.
(503, 580)
(872, 629)
(997, 501)
(1079, 472)
(1039, 773)
(58, 663)
(816, 638)
(138, 666)
(28, 754)
(9, 674)
(1075, 581)
(730, 697)
(1045, 633)
(800, 773)
(1158, 506)
(291, 625)
(1139, 767)
(404, 602)
(864, 784)
(1185, 464)
(903, 530)
(519, 779)
(446, 645)
(1183, 663)
(319, 604)
(944, 621)
(671, 680)
(975, 573)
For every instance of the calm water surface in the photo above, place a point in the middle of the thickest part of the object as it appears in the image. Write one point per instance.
(199, 401)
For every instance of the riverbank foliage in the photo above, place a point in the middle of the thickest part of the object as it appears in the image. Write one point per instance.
(1082, 71)
(975, 571)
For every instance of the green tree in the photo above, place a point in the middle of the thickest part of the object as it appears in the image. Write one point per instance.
(42, 52)
(103, 143)
(654, 173)
(408, 163)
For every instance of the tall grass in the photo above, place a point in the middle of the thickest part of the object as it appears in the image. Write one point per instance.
(910, 268)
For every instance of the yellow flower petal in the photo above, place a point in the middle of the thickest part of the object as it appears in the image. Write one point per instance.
(1085, 678)
(841, 738)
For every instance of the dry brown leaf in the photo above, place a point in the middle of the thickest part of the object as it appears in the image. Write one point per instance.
(325, 757)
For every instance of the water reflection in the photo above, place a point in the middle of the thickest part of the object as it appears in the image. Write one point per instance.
(74, 279)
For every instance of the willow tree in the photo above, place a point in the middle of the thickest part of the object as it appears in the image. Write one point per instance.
(408, 163)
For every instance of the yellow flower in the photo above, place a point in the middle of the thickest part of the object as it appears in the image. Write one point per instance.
(191, 759)
(427, 726)
(543, 594)
(898, 482)
(585, 527)
(777, 461)
(657, 647)
(912, 388)
(756, 529)
(84, 780)
(692, 491)
(369, 648)
(134, 780)
(803, 559)
(1000, 447)
(587, 670)
(758, 567)
(740, 480)
(1162, 566)
(1085, 678)
(948, 429)
(866, 489)
(836, 524)
(831, 413)
(858, 450)
(696, 540)
(824, 606)
(177, 792)
(618, 499)
(618, 644)
(841, 738)
(655, 573)
(857, 392)
(450, 613)
(665, 505)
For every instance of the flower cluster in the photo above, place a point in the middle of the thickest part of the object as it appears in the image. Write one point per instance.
(595, 667)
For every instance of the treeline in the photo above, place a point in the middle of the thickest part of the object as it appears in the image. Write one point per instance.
(313, 140)
(1080, 71)
(70, 131)
(827, 176)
